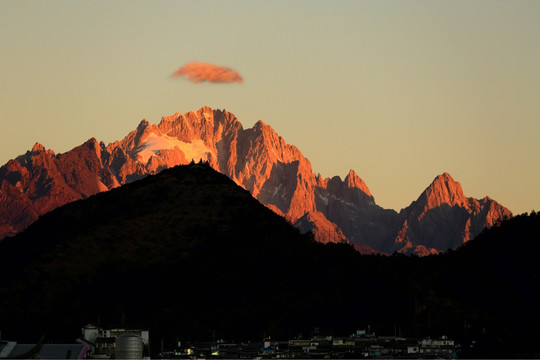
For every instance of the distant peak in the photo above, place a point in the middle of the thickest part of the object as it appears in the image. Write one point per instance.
(264, 128)
(92, 140)
(260, 124)
(445, 177)
(322, 182)
(38, 147)
(92, 143)
(171, 118)
(204, 112)
(446, 181)
(144, 123)
(352, 180)
(444, 189)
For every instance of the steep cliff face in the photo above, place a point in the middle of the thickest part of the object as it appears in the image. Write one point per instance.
(275, 172)
(350, 205)
(322, 229)
(258, 159)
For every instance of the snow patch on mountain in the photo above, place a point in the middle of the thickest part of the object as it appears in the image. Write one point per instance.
(195, 150)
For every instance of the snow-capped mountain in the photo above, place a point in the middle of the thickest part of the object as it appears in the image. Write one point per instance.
(258, 159)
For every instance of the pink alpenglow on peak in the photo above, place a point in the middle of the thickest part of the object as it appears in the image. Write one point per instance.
(198, 72)
(444, 190)
(354, 181)
(38, 147)
(443, 217)
(258, 159)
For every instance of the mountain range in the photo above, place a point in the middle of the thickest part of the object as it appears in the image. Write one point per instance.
(258, 159)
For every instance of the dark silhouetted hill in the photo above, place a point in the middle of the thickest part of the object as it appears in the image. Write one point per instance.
(189, 254)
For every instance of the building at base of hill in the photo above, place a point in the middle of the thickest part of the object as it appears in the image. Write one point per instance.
(102, 342)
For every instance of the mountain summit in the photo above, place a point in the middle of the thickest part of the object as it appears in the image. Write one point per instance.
(353, 181)
(259, 160)
(443, 190)
(444, 218)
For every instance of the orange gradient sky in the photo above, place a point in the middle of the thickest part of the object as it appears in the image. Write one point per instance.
(399, 91)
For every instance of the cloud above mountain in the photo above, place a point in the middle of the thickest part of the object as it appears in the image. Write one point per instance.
(198, 72)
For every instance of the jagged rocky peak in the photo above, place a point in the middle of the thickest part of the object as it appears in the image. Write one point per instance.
(190, 126)
(444, 190)
(92, 143)
(352, 189)
(206, 110)
(143, 124)
(204, 114)
(260, 125)
(268, 133)
(320, 181)
(38, 147)
(141, 132)
(354, 181)
(38, 151)
(95, 146)
(167, 121)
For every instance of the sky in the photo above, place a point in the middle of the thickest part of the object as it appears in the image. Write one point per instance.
(398, 91)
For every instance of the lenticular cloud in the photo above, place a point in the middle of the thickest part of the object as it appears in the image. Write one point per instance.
(205, 72)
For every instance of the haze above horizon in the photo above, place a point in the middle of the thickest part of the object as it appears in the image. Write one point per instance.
(397, 91)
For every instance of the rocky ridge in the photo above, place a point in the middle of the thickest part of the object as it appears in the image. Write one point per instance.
(258, 159)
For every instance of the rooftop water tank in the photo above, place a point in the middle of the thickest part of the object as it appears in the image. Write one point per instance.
(128, 346)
